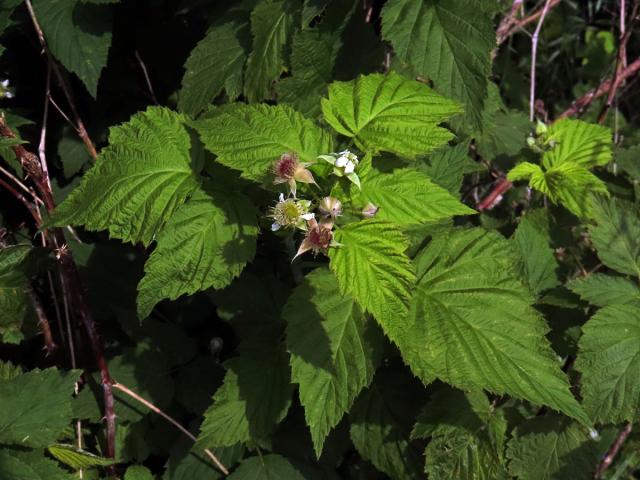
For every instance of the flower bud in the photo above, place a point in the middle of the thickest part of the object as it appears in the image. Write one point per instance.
(369, 210)
(330, 208)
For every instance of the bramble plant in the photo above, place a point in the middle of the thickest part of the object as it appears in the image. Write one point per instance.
(319, 239)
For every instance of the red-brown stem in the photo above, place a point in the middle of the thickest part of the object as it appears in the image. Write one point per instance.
(613, 451)
(579, 105)
(494, 197)
(172, 421)
(620, 62)
(71, 279)
(62, 81)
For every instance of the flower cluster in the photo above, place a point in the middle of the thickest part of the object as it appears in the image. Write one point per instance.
(295, 213)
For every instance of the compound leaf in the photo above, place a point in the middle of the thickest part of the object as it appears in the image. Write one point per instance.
(389, 113)
(371, 265)
(205, 244)
(139, 181)
(609, 360)
(250, 138)
(471, 323)
(334, 351)
(447, 41)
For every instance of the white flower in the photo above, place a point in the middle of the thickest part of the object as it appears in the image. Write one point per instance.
(344, 165)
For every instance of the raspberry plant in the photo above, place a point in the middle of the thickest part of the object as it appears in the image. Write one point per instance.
(309, 239)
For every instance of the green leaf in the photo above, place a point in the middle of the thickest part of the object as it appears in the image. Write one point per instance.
(139, 181)
(609, 360)
(78, 35)
(195, 465)
(35, 406)
(205, 244)
(334, 350)
(602, 290)
(138, 472)
(569, 183)
(467, 436)
(471, 323)
(77, 458)
(73, 153)
(15, 305)
(616, 235)
(407, 196)
(313, 56)
(380, 425)
(389, 113)
(448, 166)
(627, 159)
(585, 144)
(8, 370)
(214, 64)
(314, 52)
(538, 262)
(447, 41)
(255, 395)
(371, 265)
(250, 138)
(272, 23)
(30, 465)
(551, 448)
(266, 467)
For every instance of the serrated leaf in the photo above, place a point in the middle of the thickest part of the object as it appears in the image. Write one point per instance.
(471, 323)
(35, 406)
(139, 181)
(205, 244)
(195, 465)
(407, 196)
(77, 458)
(463, 427)
(616, 235)
(79, 35)
(448, 166)
(582, 143)
(609, 360)
(602, 290)
(629, 160)
(272, 23)
(371, 265)
(250, 138)
(216, 62)
(8, 370)
(312, 59)
(266, 467)
(447, 41)
(551, 448)
(15, 306)
(389, 113)
(380, 425)
(138, 472)
(255, 395)
(30, 465)
(313, 55)
(538, 262)
(334, 350)
(73, 153)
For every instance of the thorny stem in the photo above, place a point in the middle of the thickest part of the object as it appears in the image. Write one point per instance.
(43, 322)
(172, 421)
(613, 451)
(534, 55)
(79, 124)
(69, 272)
